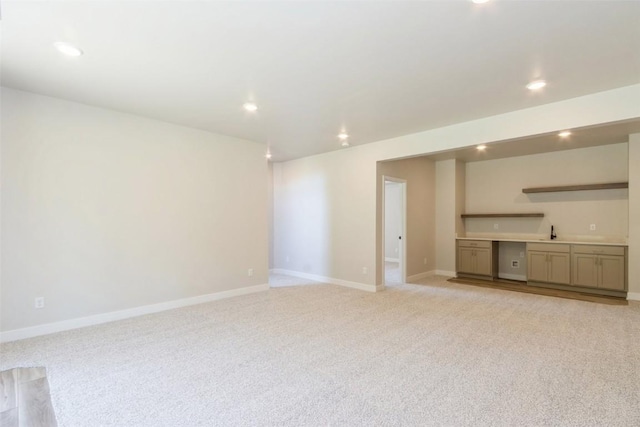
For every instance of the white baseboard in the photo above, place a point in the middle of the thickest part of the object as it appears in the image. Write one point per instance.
(633, 296)
(446, 273)
(331, 280)
(81, 322)
(389, 259)
(518, 277)
(420, 276)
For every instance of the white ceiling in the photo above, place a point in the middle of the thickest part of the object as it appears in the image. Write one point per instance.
(376, 69)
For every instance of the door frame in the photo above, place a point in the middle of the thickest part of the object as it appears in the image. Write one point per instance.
(403, 226)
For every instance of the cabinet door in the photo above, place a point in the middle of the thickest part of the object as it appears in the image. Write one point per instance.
(559, 268)
(611, 272)
(465, 260)
(537, 266)
(483, 262)
(585, 270)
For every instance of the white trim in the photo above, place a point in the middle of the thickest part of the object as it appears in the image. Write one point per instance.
(518, 277)
(330, 280)
(81, 322)
(389, 259)
(421, 276)
(633, 296)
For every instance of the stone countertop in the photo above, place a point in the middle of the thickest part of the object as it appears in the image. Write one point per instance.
(556, 241)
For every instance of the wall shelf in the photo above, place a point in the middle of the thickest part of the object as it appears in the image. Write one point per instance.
(504, 215)
(607, 186)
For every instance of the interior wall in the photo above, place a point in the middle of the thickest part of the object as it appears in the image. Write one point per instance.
(446, 215)
(634, 216)
(495, 186)
(392, 220)
(419, 172)
(104, 211)
(349, 177)
(324, 209)
(270, 208)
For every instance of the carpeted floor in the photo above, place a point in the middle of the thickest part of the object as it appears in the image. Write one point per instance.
(436, 353)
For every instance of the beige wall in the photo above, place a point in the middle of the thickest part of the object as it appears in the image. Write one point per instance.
(343, 183)
(270, 212)
(634, 216)
(325, 212)
(446, 216)
(104, 211)
(496, 186)
(420, 176)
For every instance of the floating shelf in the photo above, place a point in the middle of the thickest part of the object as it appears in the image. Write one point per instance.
(608, 186)
(504, 215)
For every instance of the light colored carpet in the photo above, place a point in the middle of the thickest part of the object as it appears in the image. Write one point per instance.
(283, 281)
(432, 354)
(392, 272)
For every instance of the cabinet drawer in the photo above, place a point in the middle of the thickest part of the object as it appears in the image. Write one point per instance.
(549, 247)
(598, 250)
(474, 243)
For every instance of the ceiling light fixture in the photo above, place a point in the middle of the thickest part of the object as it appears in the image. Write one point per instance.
(68, 49)
(343, 136)
(564, 134)
(345, 143)
(479, 1)
(250, 106)
(536, 85)
(481, 147)
(268, 155)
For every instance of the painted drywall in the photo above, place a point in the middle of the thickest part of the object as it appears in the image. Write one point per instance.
(419, 173)
(392, 220)
(324, 216)
(336, 192)
(496, 186)
(634, 216)
(508, 253)
(446, 215)
(450, 199)
(104, 211)
(270, 209)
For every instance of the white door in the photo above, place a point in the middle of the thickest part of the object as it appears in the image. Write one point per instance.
(394, 227)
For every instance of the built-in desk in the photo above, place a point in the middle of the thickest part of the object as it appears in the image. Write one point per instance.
(594, 267)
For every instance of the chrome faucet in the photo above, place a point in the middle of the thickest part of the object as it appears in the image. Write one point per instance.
(553, 234)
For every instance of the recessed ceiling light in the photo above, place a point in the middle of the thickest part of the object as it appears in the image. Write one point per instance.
(479, 1)
(536, 85)
(268, 155)
(343, 136)
(68, 49)
(481, 147)
(345, 143)
(564, 134)
(250, 106)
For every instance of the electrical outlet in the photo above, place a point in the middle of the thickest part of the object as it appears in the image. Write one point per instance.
(364, 270)
(39, 302)
(521, 254)
(496, 226)
(424, 261)
(515, 263)
(592, 227)
(287, 259)
(250, 272)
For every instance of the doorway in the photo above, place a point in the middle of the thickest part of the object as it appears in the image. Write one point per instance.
(394, 245)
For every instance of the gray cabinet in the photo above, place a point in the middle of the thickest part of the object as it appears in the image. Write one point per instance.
(602, 267)
(549, 263)
(477, 258)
